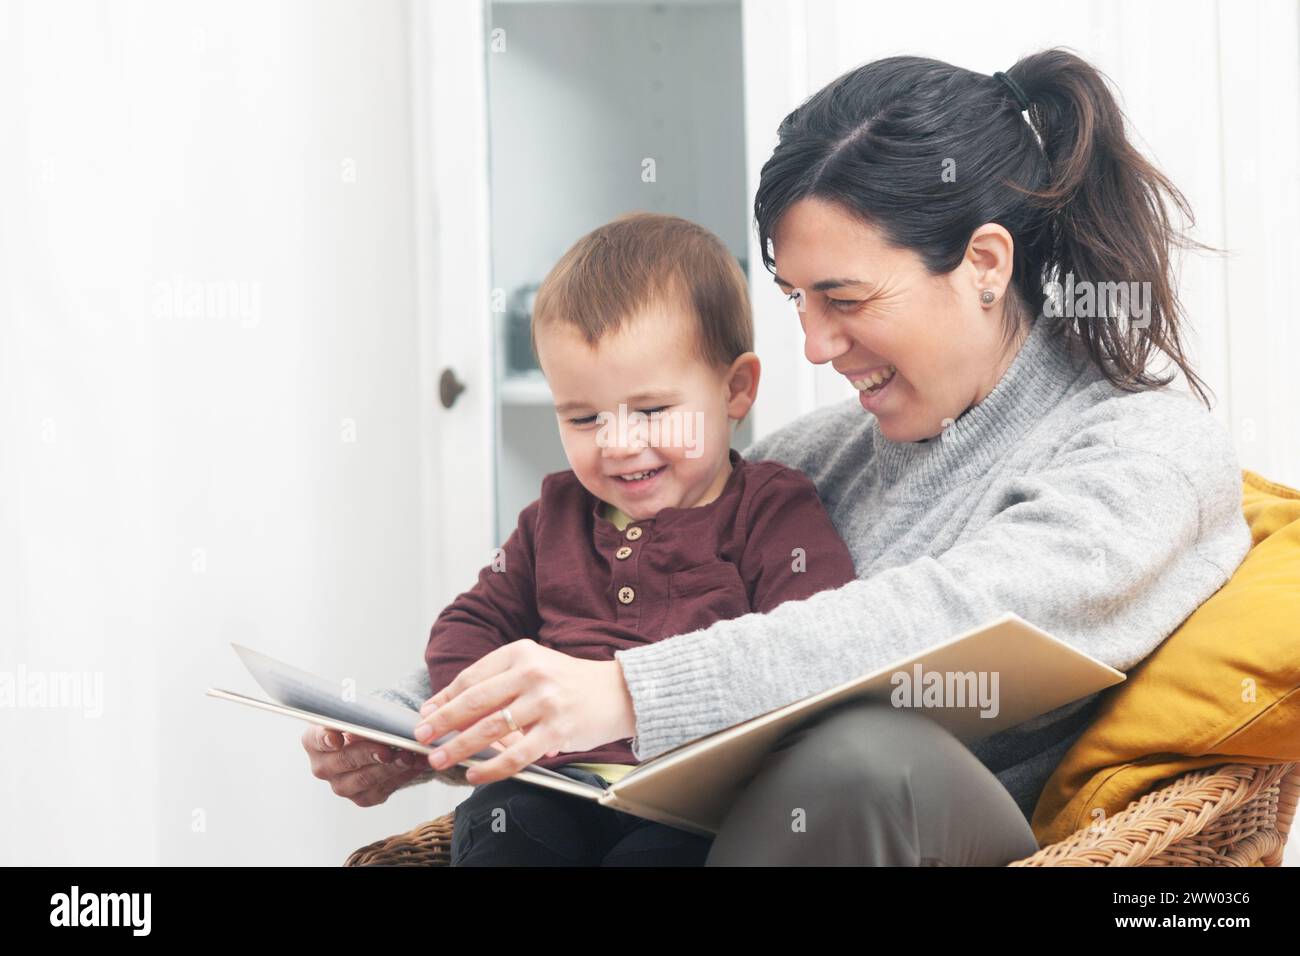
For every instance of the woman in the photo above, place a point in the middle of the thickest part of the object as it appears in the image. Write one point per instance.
(987, 259)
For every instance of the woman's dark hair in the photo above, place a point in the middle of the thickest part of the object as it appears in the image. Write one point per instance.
(1084, 203)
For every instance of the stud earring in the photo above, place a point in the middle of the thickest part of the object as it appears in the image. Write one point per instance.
(987, 296)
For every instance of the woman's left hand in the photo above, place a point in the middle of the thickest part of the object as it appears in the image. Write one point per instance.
(560, 703)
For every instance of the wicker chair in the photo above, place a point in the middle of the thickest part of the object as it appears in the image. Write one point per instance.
(1231, 815)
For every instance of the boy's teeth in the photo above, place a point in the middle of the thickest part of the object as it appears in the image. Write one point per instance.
(639, 475)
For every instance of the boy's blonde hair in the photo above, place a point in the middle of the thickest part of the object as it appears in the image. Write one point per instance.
(616, 270)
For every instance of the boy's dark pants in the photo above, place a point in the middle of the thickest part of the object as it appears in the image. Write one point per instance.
(510, 823)
(864, 784)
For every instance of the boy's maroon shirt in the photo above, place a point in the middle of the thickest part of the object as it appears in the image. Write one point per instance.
(561, 580)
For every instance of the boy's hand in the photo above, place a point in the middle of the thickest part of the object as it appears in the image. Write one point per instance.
(365, 772)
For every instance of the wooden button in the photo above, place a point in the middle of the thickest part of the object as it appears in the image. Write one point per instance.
(622, 553)
(626, 594)
(633, 533)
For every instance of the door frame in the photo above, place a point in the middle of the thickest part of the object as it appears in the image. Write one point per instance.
(453, 275)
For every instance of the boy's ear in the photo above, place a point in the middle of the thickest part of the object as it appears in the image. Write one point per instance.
(742, 385)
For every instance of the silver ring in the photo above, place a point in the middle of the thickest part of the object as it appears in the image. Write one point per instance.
(505, 712)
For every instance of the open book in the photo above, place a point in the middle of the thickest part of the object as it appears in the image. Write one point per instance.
(975, 684)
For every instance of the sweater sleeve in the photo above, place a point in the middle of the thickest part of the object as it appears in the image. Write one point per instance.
(1109, 547)
(499, 609)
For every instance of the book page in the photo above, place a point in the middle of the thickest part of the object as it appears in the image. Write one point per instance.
(298, 688)
(304, 691)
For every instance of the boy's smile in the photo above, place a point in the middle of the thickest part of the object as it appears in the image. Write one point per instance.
(667, 447)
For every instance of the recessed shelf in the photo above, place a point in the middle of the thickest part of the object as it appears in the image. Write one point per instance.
(587, 93)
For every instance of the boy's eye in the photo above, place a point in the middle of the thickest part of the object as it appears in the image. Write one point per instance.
(591, 418)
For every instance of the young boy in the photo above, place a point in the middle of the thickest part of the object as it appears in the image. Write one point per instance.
(644, 334)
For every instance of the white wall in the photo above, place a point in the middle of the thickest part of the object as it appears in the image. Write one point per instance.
(1211, 87)
(170, 483)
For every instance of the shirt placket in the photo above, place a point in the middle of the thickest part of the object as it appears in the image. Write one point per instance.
(627, 602)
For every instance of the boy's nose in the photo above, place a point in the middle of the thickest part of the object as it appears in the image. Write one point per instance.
(625, 441)
(628, 449)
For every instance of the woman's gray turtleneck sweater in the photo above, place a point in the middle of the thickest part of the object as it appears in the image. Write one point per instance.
(1104, 517)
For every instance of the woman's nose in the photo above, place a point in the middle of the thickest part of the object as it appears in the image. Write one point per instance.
(823, 339)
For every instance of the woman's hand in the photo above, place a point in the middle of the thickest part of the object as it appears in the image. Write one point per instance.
(507, 740)
(365, 772)
(560, 703)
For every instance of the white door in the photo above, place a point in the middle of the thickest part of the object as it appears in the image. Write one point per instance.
(455, 301)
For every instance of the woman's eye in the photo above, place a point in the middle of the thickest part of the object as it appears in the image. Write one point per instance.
(843, 305)
(794, 296)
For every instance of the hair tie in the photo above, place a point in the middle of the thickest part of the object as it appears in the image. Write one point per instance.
(1021, 100)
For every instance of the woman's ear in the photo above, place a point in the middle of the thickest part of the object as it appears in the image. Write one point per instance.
(990, 255)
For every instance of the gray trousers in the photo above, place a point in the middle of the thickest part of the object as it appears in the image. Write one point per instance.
(867, 784)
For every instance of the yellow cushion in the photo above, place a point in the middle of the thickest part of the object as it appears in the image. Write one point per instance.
(1223, 688)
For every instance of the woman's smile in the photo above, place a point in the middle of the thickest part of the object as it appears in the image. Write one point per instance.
(873, 392)
(871, 384)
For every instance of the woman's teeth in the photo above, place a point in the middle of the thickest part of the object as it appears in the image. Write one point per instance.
(873, 381)
(641, 474)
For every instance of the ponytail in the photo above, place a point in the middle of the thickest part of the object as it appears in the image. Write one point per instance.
(1107, 213)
